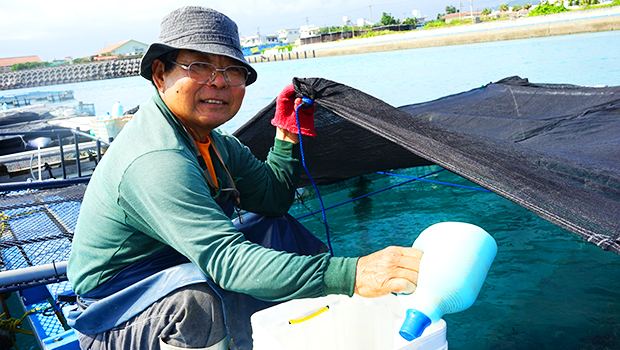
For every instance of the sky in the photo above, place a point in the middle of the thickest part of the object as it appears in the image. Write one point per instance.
(71, 28)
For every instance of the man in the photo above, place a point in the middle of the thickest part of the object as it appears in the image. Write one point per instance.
(154, 243)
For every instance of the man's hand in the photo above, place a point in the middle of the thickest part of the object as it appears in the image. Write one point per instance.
(286, 135)
(286, 105)
(391, 270)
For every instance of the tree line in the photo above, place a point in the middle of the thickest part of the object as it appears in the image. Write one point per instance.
(546, 7)
(386, 20)
(32, 65)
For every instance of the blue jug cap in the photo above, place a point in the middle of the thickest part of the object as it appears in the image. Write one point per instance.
(414, 325)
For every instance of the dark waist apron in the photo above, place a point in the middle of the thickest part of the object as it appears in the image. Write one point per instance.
(139, 285)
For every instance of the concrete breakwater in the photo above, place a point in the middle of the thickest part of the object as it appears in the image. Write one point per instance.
(70, 73)
(574, 22)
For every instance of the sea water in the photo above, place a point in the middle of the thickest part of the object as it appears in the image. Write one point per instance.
(547, 289)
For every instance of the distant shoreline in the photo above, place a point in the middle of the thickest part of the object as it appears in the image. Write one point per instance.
(590, 25)
(576, 22)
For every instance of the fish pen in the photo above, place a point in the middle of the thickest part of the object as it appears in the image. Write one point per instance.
(492, 149)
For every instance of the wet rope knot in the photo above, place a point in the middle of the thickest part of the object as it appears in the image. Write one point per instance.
(14, 326)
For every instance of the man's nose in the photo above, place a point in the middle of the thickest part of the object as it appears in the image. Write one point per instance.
(219, 80)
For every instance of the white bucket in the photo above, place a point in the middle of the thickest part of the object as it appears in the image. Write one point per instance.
(349, 323)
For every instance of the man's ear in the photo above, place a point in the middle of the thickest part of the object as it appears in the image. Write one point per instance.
(157, 67)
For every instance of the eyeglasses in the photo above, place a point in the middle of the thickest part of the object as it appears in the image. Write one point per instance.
(204, 73)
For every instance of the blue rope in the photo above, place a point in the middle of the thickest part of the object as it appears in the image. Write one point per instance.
(436, 182)
(316, 189)
(303, 162)
(375, 192)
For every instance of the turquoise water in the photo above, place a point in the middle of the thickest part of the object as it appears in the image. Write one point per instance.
(547, 288)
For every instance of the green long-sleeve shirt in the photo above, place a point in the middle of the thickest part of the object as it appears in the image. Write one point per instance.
(149, 191)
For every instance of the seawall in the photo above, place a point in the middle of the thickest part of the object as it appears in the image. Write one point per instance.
(574, 22)
(70, 73)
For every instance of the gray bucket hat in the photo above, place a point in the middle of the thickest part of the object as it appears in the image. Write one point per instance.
(200, 29)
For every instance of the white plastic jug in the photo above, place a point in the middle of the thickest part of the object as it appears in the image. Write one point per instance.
(117, 110)
(457, 257)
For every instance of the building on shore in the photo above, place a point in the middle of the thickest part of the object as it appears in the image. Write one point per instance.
(258, 40)
(462, 16)
(288, 36)
(126, 48)
(308, 31)
(254, 44)
(420, 19)
(363, 21)
(7, 63)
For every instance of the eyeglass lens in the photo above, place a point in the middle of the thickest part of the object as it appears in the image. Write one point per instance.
(204, 73)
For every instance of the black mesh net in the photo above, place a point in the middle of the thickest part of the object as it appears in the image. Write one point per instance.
(37, 226)
(552, 149)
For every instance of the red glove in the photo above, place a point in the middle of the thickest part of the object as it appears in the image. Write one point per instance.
(286, 104)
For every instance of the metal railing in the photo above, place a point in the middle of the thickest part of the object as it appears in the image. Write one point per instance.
(58, 135)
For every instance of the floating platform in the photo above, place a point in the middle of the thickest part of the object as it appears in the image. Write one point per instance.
(28, 99)
(36, 233)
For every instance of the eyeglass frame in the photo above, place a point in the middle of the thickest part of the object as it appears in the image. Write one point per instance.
(214, 74)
